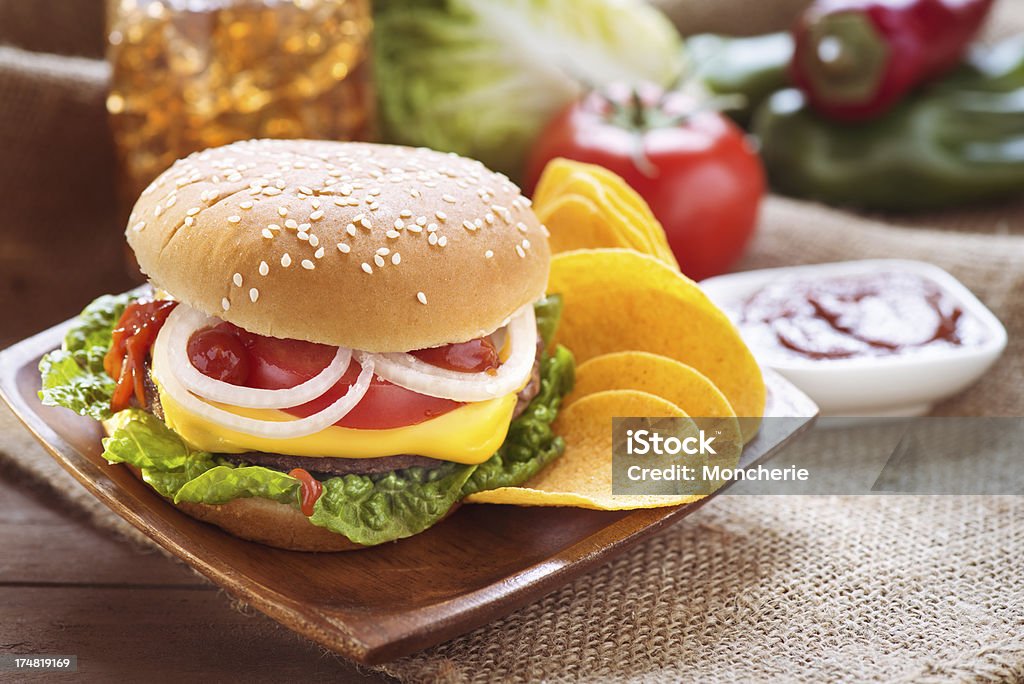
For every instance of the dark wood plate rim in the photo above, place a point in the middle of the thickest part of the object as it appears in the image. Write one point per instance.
(416, 629)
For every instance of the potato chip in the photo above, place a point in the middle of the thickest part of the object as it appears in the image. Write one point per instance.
(621, 300)
(575, 222)
(635, 207)
(622, 209)
(629, 228)
(582, 477)
(671, 380)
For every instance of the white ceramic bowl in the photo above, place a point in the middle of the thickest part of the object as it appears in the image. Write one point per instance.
(898, 385)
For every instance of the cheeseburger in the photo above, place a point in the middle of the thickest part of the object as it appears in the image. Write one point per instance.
(340, 342)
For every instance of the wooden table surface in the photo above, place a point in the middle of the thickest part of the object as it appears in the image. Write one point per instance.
(67, 588)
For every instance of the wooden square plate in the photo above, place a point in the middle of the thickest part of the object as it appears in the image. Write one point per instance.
(378, 604)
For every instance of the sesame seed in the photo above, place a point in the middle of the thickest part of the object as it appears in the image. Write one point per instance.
(365, 223)
(235, 218)
(171, 201)
(254, 294)
(432, 238)
(189, 221)
(302, 236)
(271, 191)
(316, 204)
(308, 265)
(314, 241)
(468, 225)
(521, 226)
(399, 224)
(414, 229)
(319, 253)
(267, 234)
(544, 230)
(344, 248)
(247, 204)
(316, 215)
(448, 198)
(193, 211)
(139, 226)
(384, 251)
(291, 224)
(392, 234)
(421, 297)
(379, 260)
(283, 211)
(157, 210)
(405, 213)
(264, 268)
(442, 241)
(237, 279)
(304, 190)
(414, 193)
(520, 252)
(489, 217)
(225, 304)
(273, 226)
(478, 223)
(421, 221)
(357, 218)
(366, 267)
(340, 201)
(526, 244)
(286, 260)
(489, 254)
(351, 230)
(396, 258)
(441, 216)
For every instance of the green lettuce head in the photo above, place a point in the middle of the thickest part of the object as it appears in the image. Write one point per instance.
(482, 77)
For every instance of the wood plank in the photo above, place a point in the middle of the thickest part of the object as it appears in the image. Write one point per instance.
(42, 546)
(134, 634)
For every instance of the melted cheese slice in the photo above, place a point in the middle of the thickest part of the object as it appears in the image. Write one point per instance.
(469, 434)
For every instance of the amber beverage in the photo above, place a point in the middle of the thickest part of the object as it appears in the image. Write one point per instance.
(192, 74)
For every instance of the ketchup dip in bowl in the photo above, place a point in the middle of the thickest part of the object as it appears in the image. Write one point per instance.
(883, 337)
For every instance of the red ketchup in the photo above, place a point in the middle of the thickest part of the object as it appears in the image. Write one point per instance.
(132, 339)
(311, 489)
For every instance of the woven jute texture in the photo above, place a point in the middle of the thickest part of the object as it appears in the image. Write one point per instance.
(808, 588)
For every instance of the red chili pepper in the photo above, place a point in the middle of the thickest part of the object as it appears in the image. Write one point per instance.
(855, 59)
(311, 489)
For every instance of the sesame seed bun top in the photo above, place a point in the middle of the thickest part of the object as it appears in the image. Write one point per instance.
(374, 247)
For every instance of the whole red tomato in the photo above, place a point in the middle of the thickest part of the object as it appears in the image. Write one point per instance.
(695, 168)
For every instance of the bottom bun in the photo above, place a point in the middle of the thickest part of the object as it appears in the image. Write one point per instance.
(271, 523)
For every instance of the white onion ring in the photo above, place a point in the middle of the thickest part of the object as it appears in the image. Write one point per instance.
(184, 321)
(269, 429)
(419, 376)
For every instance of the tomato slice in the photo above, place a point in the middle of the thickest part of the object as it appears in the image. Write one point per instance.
(279, 364)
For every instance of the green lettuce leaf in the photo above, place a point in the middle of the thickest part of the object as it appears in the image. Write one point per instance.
(227, 482)
(142, 440)
(372, 509)
(73, 376)
(548, 311)
(483, 77)
(531, 444)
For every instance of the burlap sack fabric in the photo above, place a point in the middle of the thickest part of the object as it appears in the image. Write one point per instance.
(897, 588)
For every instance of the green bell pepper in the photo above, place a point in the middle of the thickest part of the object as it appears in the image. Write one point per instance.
(957, 142)
(753, 67)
